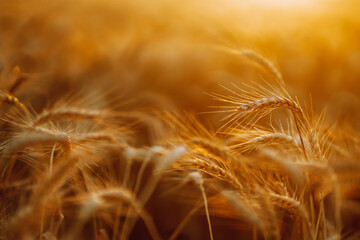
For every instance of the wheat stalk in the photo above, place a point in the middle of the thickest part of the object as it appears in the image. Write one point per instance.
(196, 177)
(110, 198)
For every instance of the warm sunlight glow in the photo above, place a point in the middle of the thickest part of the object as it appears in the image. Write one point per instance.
(283, 3)
(192, 119)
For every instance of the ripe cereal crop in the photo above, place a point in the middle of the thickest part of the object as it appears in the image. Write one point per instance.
(179, 120)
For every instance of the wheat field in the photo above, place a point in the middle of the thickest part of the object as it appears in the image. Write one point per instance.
(180, 120)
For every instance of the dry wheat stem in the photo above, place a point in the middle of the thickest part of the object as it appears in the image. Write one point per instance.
(196, 177)
(137, 184)
(111, 198)
(17, 82)
(182, 224)
(130, 154)
(167, 160)
(42, 195)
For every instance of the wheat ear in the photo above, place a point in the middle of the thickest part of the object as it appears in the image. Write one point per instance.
(264, 63)
(245, 210)
(211, 146)
(64, 113)
(291, 204)
(29, 139)
(9, 98)
(214, 170)
(269, 102)
(274, 138)
(268, 139)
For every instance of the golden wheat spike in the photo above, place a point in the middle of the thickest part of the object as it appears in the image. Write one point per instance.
(271, 102)
(264, 63)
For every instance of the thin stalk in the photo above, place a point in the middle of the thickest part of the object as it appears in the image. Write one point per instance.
(42, 223)
(52, 159)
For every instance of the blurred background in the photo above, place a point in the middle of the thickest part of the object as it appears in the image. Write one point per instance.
(152, 56)
(165, 55)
